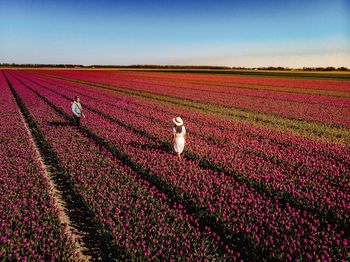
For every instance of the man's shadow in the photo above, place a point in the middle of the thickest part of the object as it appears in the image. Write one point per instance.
(59, 123)
(161, 147)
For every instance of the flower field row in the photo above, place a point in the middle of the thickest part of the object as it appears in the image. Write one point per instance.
(30, 227)
(270, 228)
(325, 109)
(141, 219)
(224, 79)
(274, 82)
(314, 180)
(238, 91)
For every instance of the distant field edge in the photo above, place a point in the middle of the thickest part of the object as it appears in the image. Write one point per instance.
(327, 75)
(334, 75)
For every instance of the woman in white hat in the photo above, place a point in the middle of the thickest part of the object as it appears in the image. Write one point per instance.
(179, 136)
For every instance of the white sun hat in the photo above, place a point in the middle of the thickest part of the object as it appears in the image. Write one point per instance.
(178, 121)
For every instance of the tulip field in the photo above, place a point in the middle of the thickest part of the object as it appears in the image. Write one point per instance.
(265, 176)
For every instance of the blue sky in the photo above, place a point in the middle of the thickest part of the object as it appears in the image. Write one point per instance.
(234, 33)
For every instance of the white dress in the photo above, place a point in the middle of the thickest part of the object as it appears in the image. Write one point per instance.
(179, 142)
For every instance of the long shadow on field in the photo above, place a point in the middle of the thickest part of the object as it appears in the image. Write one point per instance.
(95, 245)
(58, 123)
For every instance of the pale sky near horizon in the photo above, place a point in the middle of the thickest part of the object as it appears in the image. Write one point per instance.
(233, 33)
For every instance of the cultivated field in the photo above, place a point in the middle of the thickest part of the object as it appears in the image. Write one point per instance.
(265, 174)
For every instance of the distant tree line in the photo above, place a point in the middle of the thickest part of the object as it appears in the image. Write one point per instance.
(40, 65)
(329, 68)
(279, 68)
(161, 66)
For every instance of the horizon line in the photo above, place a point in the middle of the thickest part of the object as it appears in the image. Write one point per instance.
(200, 66)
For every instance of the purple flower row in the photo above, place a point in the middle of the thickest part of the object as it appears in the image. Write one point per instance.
(30, 227)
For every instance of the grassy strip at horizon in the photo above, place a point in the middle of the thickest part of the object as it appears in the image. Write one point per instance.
(287, 90)
(309, 129)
